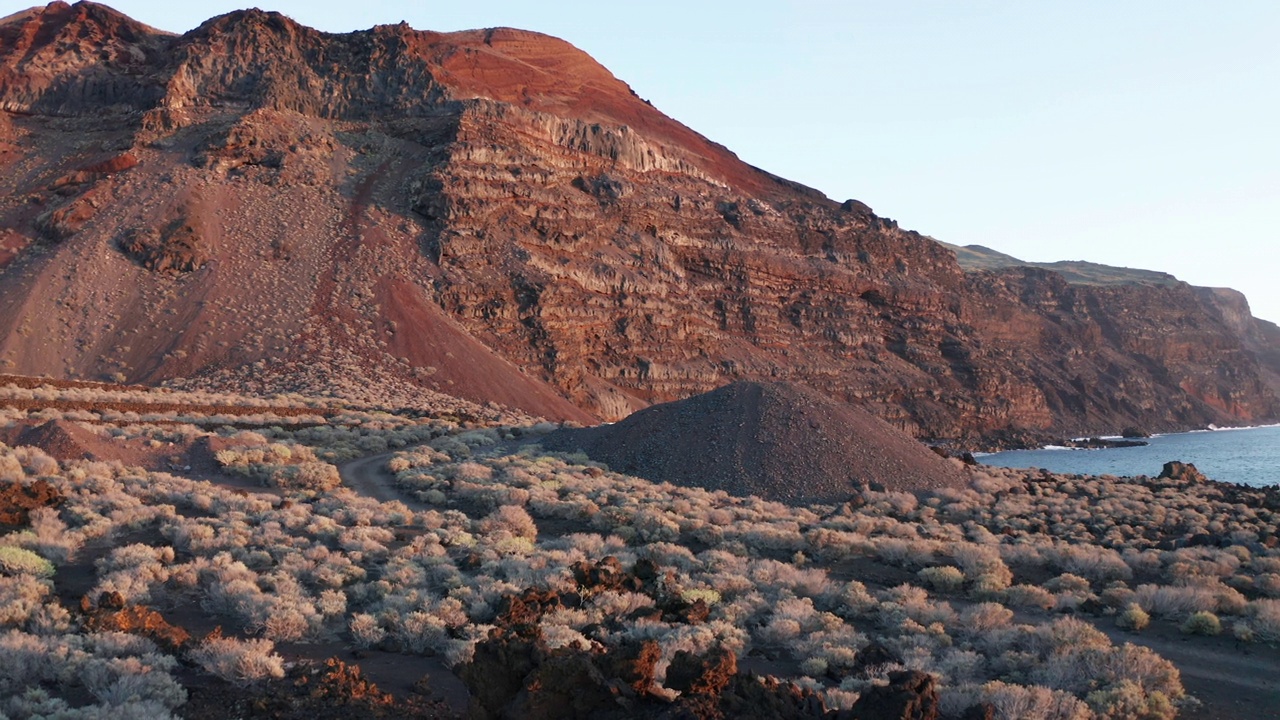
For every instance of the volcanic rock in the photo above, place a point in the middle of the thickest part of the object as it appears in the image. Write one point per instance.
(513, 673)
(910, 695)
(780, 441)
(136, 619)
(17, 500)
(1181, 472)
(174, 248)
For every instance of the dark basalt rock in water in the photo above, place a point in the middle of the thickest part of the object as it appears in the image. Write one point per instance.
(780, 441)
(1185, 472)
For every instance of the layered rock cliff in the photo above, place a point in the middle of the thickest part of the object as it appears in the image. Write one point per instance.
(492, 214)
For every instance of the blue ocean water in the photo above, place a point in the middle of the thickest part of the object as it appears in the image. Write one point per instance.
(1247, 455)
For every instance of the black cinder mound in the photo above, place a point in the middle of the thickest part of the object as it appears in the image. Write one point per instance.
(780, 441)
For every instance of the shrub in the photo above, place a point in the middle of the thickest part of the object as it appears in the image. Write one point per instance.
(118, 681)
(1169, 600)
(814, 667)
(983, 564)
(314, 475)
(1202, 623)
(1018, 702)
(21, 597)
(706, 595)
(20, 561)
(1265, 620)
(365, 630)
(1128, 700)
(512, 518)
(1133, 618)
(942, 578)
(1030, 596)
(10, 468)
(238, 661)
(1068, 583)
(986, 616)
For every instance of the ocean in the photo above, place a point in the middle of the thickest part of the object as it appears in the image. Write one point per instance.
(1250, 456)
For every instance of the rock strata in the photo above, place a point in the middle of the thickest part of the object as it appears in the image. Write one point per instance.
(493, 215)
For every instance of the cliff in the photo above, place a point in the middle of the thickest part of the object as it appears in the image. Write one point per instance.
(491, 214)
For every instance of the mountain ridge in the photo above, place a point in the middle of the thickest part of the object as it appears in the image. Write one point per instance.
(1080, 272)
(494, 215)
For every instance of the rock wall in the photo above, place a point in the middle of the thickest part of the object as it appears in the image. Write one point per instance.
(492, 214)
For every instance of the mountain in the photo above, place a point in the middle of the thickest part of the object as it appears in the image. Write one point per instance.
(491, 214)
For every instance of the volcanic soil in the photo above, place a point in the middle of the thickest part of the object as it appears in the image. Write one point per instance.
(778, 440)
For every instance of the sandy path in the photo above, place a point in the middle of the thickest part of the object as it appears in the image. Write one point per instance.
(1232, 680)
(369, 476)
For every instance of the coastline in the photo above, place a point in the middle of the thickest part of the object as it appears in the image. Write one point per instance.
(1244, 455)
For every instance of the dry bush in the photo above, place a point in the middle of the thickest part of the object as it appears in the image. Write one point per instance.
(21, 597)
(1030, 596)
(1174, 601)
(238, 661)
(942, 578)
(1016, 702)
(513, 519)
(1264, 620)
(985, 617)
(984, 567)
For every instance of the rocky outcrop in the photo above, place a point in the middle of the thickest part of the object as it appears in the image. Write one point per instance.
(18, 499)
(113, 615)
(491, 214)
(910, 695)
(78, 59)
(175, 247)
(514, 673)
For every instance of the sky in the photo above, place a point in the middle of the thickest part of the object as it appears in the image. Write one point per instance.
(1140, 134)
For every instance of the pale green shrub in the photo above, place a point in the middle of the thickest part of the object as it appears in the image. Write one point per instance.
(942, 578)
(1128, 701)
(1202, 623)
(20, 561)
(1133, 618)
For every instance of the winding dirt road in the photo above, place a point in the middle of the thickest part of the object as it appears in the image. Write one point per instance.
(369, 476)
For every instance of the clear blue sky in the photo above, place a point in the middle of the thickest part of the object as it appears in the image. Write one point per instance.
(1139, 133)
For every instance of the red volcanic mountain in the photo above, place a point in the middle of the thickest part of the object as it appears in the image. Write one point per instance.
(491, 214)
